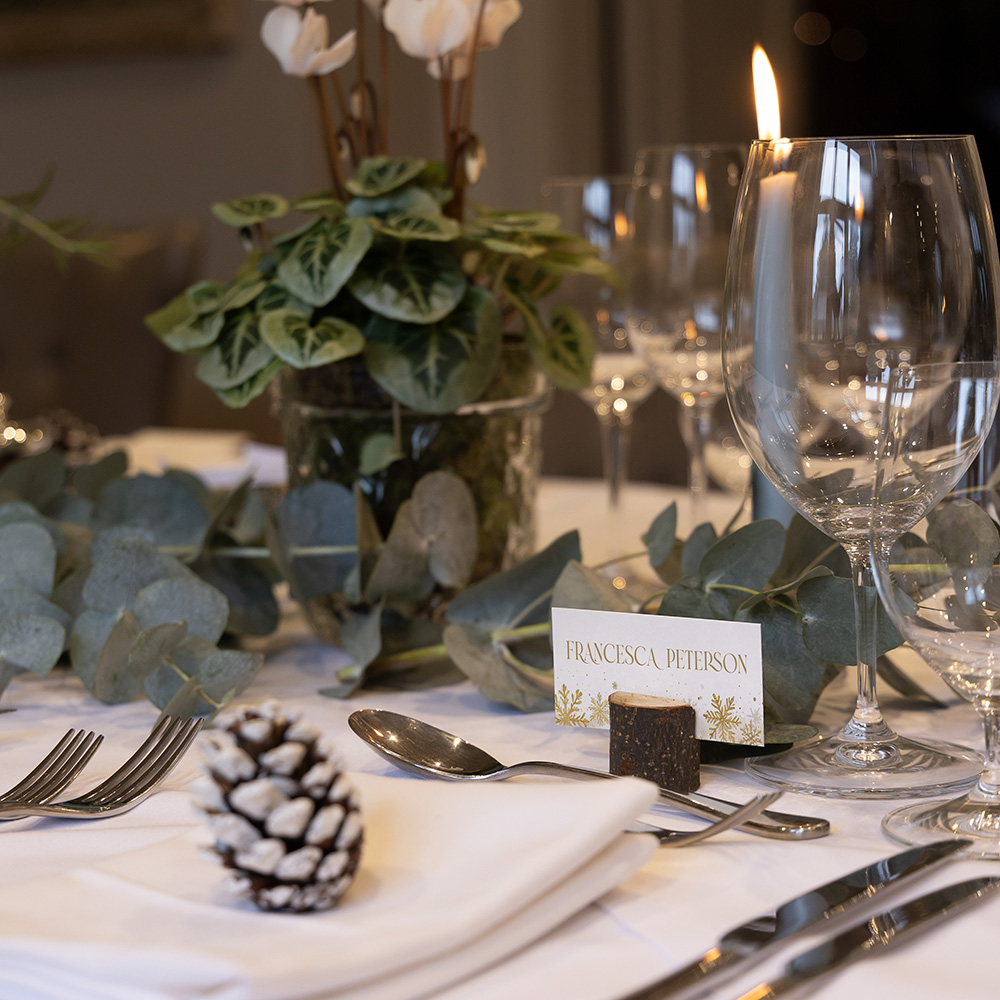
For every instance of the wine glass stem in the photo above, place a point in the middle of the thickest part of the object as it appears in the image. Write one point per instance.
(989, 780)
(696, 426)
(866, 726)
(615, 435)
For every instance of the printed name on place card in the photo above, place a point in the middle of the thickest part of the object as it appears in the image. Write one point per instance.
(714, 666)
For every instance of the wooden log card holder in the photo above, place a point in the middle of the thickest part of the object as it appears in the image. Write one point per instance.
(653, 738)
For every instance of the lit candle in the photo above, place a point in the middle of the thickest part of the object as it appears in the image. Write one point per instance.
(773, 330)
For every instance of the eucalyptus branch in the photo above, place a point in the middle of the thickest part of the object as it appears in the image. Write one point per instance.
(97, 250)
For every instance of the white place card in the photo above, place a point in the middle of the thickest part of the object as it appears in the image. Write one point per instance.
(714, 666)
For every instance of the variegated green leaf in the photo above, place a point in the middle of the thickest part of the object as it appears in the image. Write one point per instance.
(294, 339)
(241, 394)
(201, 332)
(437, 228)
(238, 354)
(177, 313)
(243, 212)
(322, 203)
(565, 352)
(275, 296)
(205, 296)
(525, 248)
(437, 368)
(322, 261)
(408, 201)
(421, 285)
(520, 222)
(381, 174)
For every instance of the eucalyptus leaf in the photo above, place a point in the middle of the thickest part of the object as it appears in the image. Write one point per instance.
(806, 546)
(324, 258)
(294, 338)
(689, 597)
(419, 285)
(793, 676)
(89, 480)
(828, 621)
(479, 657)
(890, 673)
(444, 512)
(746, 558)
(320, 515)
(701, 539)
(202, 608)
(520, 595)
(248, 589)
(361, 638)
(31, 642)
(662, 534)
(27, 557)
(86, 640)
(162, 507)
(18, 600)
(35, 478)
(378, 452)
(401, 571)
(965, 535)
(128, 656)
(580, 587)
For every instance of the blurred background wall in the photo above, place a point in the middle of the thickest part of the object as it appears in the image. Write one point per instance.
(145, 127)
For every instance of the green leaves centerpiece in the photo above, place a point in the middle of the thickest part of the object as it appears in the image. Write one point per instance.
(388, 280)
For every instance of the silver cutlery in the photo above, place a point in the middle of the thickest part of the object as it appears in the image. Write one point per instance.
(744, 945)
(128, 786)
(677, 838)
(881, 931)
(56, 770)
(424, 749)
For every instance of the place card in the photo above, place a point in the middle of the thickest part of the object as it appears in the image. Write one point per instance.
(714, 666)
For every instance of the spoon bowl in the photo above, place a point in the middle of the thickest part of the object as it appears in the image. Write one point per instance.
(424, 749)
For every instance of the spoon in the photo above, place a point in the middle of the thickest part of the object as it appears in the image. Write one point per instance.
(424, 749)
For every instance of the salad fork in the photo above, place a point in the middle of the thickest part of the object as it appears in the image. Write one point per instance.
(128, 786)
(56, 770)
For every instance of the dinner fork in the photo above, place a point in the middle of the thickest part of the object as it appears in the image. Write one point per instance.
(128, 786)
(56, 770)
(677, 838)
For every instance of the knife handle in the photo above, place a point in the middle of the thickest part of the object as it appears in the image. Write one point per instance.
(690, 980)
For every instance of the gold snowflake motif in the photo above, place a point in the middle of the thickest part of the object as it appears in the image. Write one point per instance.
(569, 707)
(752, 731)
(599, 714)
(723, 722)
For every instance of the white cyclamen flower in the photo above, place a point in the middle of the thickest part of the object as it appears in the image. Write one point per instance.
(498, 16)
(427, 29)
(299, 42)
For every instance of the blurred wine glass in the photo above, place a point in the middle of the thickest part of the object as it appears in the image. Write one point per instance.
(597, 208)
(685, 198)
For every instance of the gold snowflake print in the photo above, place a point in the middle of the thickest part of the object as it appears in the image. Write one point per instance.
(599, 713)
(723, 721)
(569, 707)
(751, 731)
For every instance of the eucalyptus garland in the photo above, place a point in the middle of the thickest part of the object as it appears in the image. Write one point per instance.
(144, 585)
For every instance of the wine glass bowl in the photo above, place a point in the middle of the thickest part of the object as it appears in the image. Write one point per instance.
(940, 582)
(850, 260)
(598, 209)
(685, 197)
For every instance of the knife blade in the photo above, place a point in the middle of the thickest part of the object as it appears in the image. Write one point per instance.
(881, 931)
(743, 945)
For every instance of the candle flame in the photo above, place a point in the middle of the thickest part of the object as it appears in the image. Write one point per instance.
(621, 225)
(701, 191)
(765, 92)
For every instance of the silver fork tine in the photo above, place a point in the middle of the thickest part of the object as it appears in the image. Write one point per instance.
(57, 769)
(676, 838)
(149, 771)
(161, 732)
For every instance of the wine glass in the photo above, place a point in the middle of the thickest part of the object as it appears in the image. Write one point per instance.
(851, 257)
(598, 209)
(685, 197)
(940, 583)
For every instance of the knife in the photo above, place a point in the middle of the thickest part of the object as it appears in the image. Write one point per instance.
(745, 944)
(879, 931)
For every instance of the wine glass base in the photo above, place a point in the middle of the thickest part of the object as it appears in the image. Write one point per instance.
(848, 769)
(923, 822)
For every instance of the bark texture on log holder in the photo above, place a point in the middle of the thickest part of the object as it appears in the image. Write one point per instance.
(653, 738)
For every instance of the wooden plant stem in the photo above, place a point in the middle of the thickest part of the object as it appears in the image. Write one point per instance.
(324, 112)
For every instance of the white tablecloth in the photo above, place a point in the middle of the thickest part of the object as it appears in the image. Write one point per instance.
(672, 910)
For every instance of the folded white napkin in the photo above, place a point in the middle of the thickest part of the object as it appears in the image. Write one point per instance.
(452, 878)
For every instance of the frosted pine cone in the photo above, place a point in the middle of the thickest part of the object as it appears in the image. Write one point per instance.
(285, 818)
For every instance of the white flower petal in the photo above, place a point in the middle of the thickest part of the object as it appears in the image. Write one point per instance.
(426, 29)
(339, 54)
(279, 32)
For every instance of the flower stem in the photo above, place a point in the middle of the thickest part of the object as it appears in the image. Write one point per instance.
(325, 115)
(362, 80)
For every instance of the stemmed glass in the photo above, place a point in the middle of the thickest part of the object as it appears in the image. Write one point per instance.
(685, 197)
(851, 257)
(940, 583)
(599, 209)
